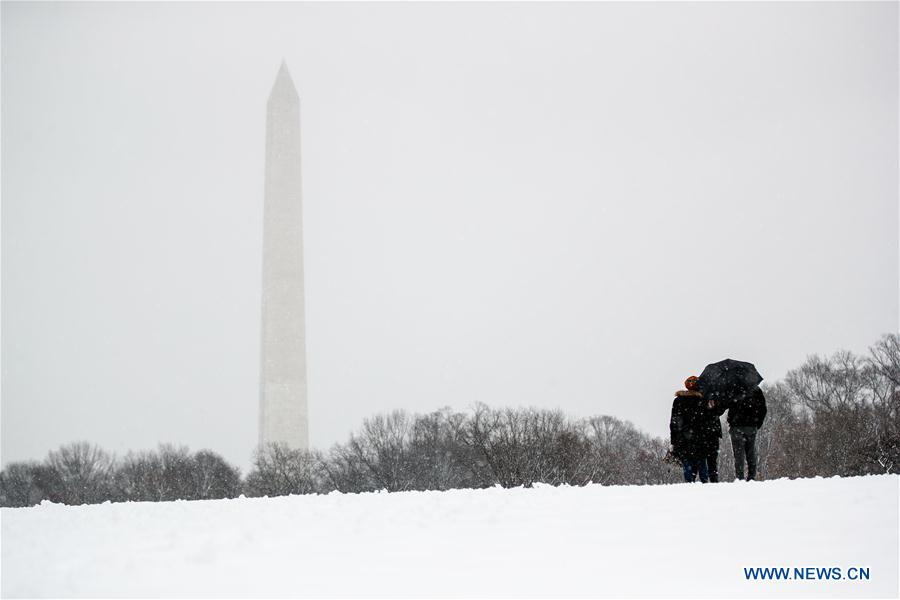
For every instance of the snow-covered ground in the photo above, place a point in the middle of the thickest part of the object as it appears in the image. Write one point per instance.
(679, 540)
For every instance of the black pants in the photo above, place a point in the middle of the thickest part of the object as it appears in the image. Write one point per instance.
(712, 465)
(743, 442)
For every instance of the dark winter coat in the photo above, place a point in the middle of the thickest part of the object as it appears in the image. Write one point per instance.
(711, 425)
(686, 427)
(749, 411)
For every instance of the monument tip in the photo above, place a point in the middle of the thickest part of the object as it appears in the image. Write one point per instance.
(283, 82)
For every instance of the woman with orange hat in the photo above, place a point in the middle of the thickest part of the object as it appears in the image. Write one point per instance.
(686, 429)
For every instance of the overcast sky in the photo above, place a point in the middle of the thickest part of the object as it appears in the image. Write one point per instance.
(555, 205)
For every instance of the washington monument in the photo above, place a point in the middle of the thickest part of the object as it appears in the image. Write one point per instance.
(282, 393)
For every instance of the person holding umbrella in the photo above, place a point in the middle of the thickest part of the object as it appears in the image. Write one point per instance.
(745, 417)
(733, 385)
(685, 427)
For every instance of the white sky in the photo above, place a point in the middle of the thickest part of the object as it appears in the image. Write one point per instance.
(557, 205)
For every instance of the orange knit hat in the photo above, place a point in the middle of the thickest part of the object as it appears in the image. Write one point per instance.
(691, 382)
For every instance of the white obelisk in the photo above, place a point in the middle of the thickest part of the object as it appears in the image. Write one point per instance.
(282, 402)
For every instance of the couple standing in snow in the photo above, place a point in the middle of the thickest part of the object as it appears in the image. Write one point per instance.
(696, 430)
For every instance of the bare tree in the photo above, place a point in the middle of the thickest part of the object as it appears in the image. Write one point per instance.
(177, 475)
(841, 415)
(521, 447)
(883, 376)
(279, 470)
(383, 448)
(139, 478)
(79, 473)
(439, 457)
(213, 477)
(19, 485)
(885, 356)
(623, 455)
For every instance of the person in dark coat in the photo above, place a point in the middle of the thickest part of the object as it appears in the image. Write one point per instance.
(685, 428)
(711, 435)
(745, 417)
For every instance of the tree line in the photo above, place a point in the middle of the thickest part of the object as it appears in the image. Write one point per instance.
(837, 415)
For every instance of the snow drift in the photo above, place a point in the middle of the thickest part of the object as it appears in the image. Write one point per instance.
(673, 541)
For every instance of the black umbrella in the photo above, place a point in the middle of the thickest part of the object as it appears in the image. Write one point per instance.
(728, 380)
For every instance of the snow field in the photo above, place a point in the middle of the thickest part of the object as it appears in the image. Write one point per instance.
(684, 541)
